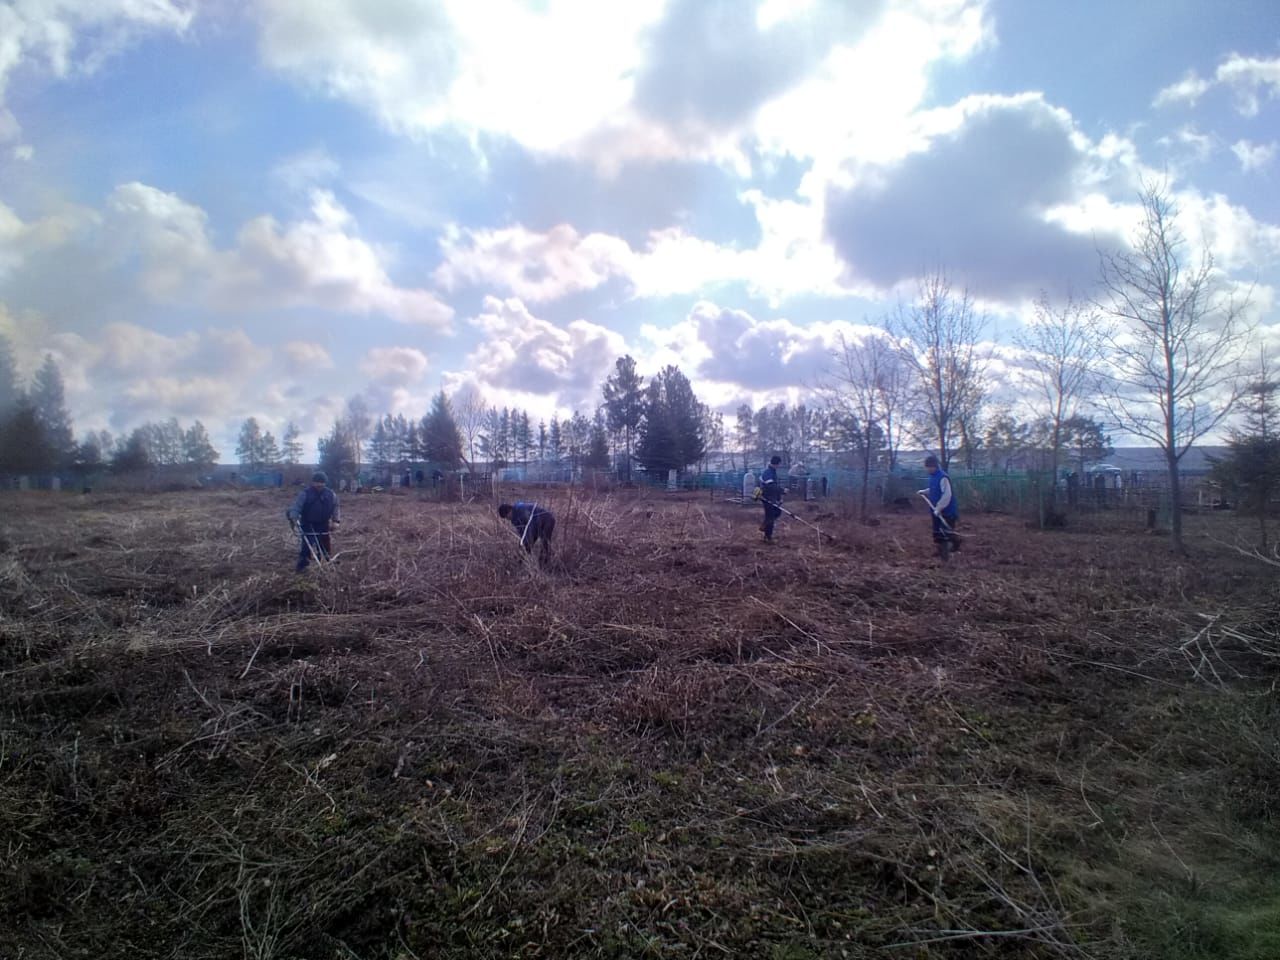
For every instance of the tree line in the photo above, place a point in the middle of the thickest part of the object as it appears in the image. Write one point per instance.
(1158, 355)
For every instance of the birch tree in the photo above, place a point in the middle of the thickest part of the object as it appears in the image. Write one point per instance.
(938, 339)
(1178, 347)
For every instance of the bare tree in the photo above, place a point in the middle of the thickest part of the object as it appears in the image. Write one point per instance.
(1179, 345)
(1064, 352)
(938, 340)
(357, 425)
(865, 384)
(469, 411)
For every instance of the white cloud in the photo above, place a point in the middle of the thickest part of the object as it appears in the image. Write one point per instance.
(524, 353)
(1237, 240)
(1250, 81)
(536, 267)
(543, 76)
(983, 201)
(394, 366)
(613, 83)
(319, 262)
(66, 38)
(1187, 90)
(791, 259)
(20, 240)
(1253, 156)
(307, 358)
(731, 354)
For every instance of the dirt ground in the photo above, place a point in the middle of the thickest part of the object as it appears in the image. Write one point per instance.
(669, 739)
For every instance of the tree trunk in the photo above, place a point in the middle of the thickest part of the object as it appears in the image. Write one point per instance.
(866, 474)
(1175, 503)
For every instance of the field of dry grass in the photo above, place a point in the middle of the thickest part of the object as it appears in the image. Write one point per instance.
(670, 740)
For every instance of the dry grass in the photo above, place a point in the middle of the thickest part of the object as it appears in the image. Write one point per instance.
(666, 739)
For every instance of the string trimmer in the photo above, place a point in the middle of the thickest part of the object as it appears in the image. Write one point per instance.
(793, 516)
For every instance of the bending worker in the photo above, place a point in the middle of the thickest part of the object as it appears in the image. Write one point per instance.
(942, 503)
(312, 512)
(531, 521)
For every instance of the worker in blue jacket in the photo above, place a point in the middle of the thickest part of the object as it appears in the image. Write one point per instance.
(531, 521)
(314, 509)
(770, 492)
(942, 503)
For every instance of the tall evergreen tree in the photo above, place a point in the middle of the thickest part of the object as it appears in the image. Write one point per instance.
(24, 442)
(10, 388)
(577, 436)
(48, 398)
(441, 438)
(1250, 471)
(132, 456)
(1087, 438)
(598, 447)
(89, 453)
(671, 435)
(249, 445)
(269, 451)
(291, 444)
(337, 453)
(380, 450)
(624, 404)
(555, 440)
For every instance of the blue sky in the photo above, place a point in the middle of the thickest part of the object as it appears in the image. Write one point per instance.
(264, 207)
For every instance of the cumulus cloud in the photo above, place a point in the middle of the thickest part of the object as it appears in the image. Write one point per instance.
(617, 83)
(1250, 80)
(19, 240)
(1237, 240)
(127, 374)
(791, 258)
(394, 366)
(710, 66)
(307, 358)
(545, 76)
(521, 352)
(536, 267)
(978, 202)
(319, 262)
(761, 354)
(63, 39)
(733, 356)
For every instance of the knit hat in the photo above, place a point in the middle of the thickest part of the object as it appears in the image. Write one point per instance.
(319, 477)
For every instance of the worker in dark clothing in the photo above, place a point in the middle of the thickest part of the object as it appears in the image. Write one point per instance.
(313, 510)
(770, 492)
(531, 521)
(942, 504)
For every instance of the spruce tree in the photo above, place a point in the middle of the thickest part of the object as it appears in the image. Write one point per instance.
(441, 438)
(671, 434)
(624, 404)
(49, 401)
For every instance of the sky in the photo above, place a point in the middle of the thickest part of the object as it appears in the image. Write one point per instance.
(232, 208)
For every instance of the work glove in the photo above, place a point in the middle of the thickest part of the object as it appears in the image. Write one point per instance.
(293, 525)
(758, 494)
